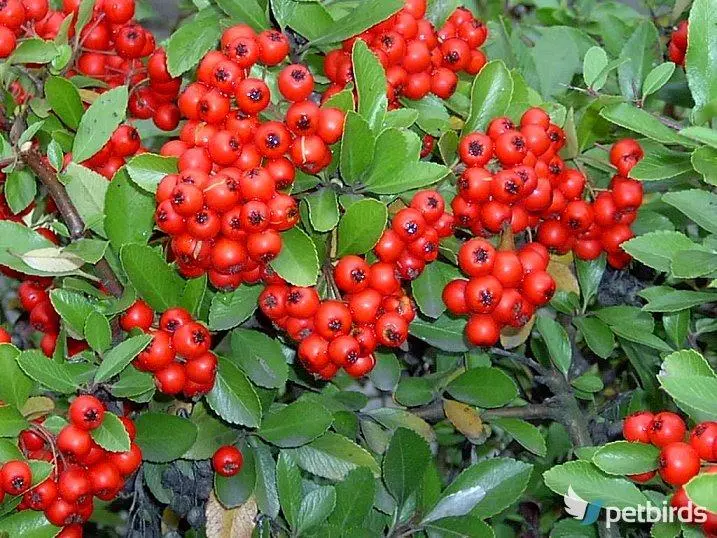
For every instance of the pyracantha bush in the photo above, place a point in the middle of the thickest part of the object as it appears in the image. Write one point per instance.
(364, 268)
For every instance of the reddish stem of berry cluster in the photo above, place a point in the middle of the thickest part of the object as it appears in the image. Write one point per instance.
(225, 209)
(677, 47)
(373, 308)
(516, 178)
(82, 469)
(679, 460)
(418, 59)
(179, 354)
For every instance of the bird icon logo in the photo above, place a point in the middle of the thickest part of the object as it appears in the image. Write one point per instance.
(579, 508)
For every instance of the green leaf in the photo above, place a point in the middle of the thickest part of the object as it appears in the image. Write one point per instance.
(20, 190)
(414, 391)
(74, 309)
(657, 249)
(657, 78)
(333, 456)
(404, 463)
(232, 308)
(120, 356)
(693, 263)
(502, 480)
(704, 160)
(16, 386)
(688, 379)
(428, 287)
(11, 421)
(260, 357)
(484, 387)
(315, 508)
(411, 176)
(444, 333)
(491, 93)
(298, 262)
(386, 373)
(99, 122)
(640, 121)
(246, 11)
(164, 437)
(361, 227)
(265, 492)
(392, 418)
(212, 434)
(53, 375)
(698, 205)
(89, 250)
(433, 117)
(702, 490)
(625, 458)
(65, 101)
(87, 190)
(589, 275)
(233, 398)
(17, 239)
(594, 64)
(193, 294)
(701, 52)
(703, 135)
(363, 17)
(664, 165)
(593, 485)
(639, 55)
(323, 209)
(370, 80)
(598, 336)
(33, 51)
(557, 342)
(288, 483)
(125, 198)
(28, 524)
(524, 433)
(309, 19)
(134, 384)
(111, 434)
(295, 425)
(155, 280)
(463, 527)
(97, 331)
(192, 41)
(235, 490)
(147, 170)
(354, 498)
(677, 300)
(357, 147)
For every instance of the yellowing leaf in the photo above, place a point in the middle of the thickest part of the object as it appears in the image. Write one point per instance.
(37, 406)
(230, 523)
(564, 278)
(466, 420)
(510, 337)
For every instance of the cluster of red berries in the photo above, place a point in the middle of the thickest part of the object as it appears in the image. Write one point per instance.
(82, 469)
(516, 178)
(503, 290)
(124, 144)
(225, 209)
(418, 59)
(679, 461)
(677, 48)
(371, 307)
(112, 47)
(227, 460)
(178, 355)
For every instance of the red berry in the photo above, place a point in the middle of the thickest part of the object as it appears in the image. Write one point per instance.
(15, 477)
(703, 439)
(636, 427)
(227, 460)
(138, 315)
(86, 412)
(666, 428)
(678, 463)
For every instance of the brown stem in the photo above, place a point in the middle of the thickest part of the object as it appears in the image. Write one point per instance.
(33, 159)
